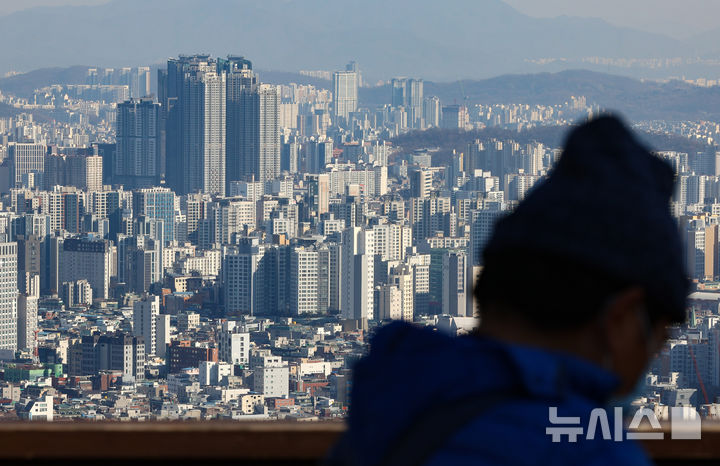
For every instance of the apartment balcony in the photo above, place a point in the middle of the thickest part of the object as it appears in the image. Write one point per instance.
(232, 443)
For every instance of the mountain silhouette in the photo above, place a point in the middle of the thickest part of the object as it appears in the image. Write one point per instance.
(445, 41)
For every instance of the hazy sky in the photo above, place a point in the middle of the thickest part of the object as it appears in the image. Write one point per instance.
(11, 6)
(676, 18)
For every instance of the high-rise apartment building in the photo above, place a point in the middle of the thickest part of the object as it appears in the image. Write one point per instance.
(253, 124)
(253, 130)
(77, 293)
(140, 82)
(25, 159)
(454, 117)
(481, 227)
(233, 344)
(420, 264)
(390, 303)
(194, 91)
(8, 297)
(319, 193)
(88, 259)
(415, 103)
(289, 154)
(398, 92)
(229, 217)
(82, 171)
(701, 248)
(242, 120)
(139, 261)
(159, 204)
(430, 216)
(203, 148)
(454, 283)
(345, 95)
(317, 155)
(28, 313)
(196, 208)
(221, 122)
(402, 278)
(420, 183)
(355, 68)
(137, 158)
(162, 334)
(357, 274)
(391, 241)
(259, 145)
(31, 257)
(145, 316)
(93, 173)
(432, 112)
(110, 352)
(304, 281)
(408, 93)
(244, 280)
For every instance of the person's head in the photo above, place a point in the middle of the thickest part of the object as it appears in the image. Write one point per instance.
(590, 262)
(563, 304)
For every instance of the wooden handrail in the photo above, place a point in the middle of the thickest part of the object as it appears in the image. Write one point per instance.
(271, 441)
(255, 442)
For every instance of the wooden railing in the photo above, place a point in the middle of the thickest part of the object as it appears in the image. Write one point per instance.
(220, 443)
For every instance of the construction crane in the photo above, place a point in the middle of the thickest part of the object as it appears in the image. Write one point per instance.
(697, 372)
(465, 97)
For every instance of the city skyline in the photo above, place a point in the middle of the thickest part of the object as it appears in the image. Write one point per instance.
(192, 227)
(187, 234)
(189, 222)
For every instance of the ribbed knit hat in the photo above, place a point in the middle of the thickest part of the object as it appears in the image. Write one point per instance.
(605, 205)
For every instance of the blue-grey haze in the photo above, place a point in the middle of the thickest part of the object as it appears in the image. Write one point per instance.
(436, 40)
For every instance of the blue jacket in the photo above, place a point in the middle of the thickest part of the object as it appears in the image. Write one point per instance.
(409, 369)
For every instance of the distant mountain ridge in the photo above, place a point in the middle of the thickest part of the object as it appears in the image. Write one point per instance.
(637, 100)
(442, 41)
(23, 85)
(552, 136)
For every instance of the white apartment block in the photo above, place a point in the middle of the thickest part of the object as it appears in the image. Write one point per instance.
(145, 314)
(392, 241)
(213, 373)
(27, 322)
(233, 344)
(8, 297)
(357, 274)
(162, 334)
(390, 305)
(304, 281)
(272, 381)
(207, 263)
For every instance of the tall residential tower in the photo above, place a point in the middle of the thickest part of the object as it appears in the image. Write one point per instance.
(253, 130)
(194, 91)
(8, 297)
(345, 95)
(137, 160)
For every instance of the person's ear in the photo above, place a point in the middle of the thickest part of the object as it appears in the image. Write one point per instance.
(626, 337)
(622, 325)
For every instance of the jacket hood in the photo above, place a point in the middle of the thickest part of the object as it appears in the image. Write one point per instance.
(409, 369)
